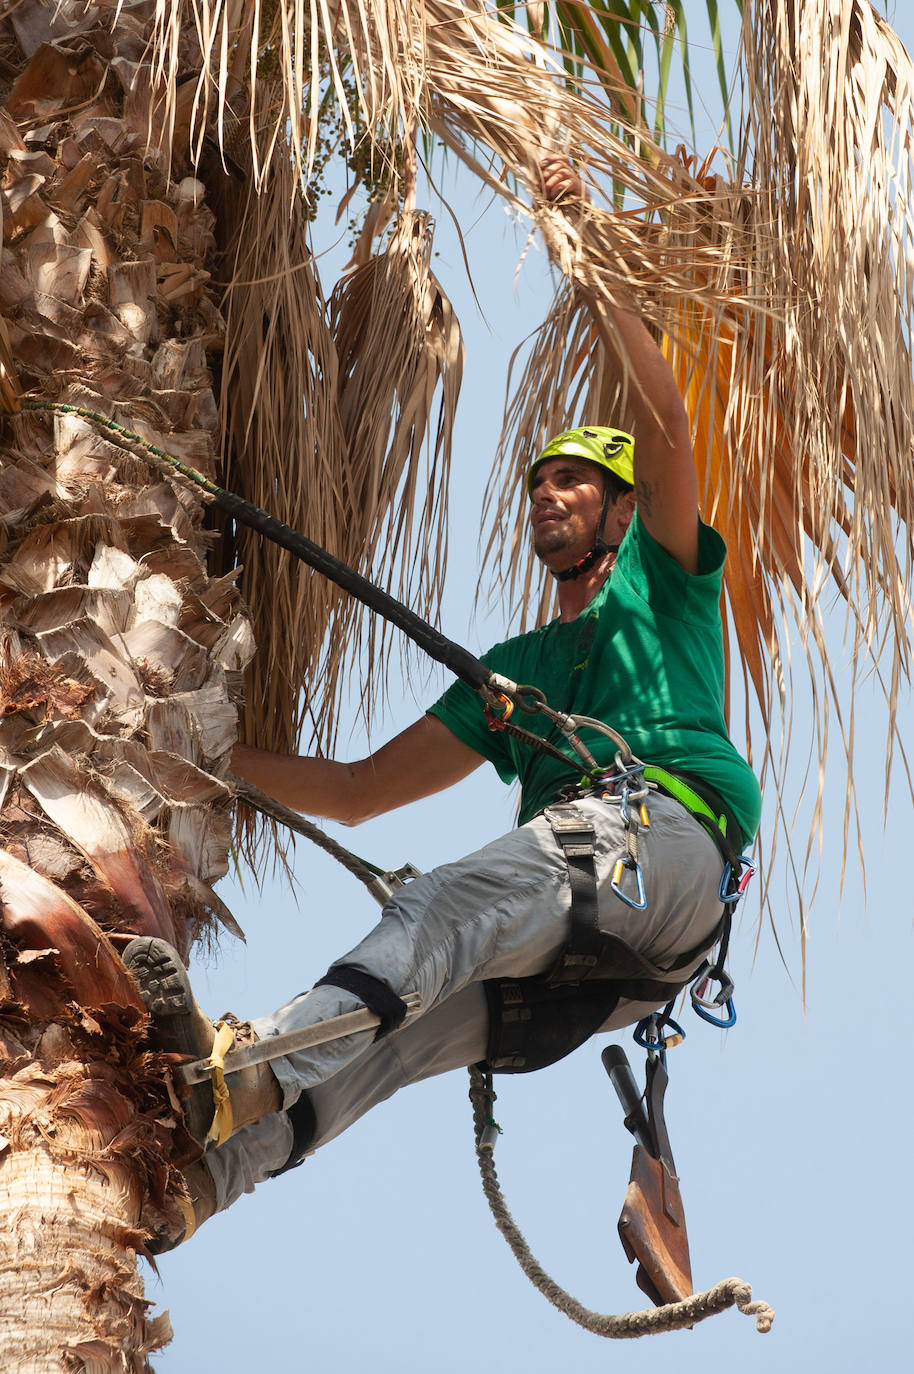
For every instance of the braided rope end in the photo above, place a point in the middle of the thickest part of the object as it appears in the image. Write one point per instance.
(742, 1296)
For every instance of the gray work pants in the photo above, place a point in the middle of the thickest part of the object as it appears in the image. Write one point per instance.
(501, 912)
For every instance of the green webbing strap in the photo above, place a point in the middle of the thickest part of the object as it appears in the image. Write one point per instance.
(722, 823)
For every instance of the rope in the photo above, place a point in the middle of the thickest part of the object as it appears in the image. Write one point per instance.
(268, 806)
(535, 742)
(675, 1316)
(459, 660)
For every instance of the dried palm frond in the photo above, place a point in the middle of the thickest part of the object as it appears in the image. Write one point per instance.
(285, 449)
(822, 408)
(326, 427)
(453, 67)
(474, 69)
(398, 343)
(831, 125)
(282, 54)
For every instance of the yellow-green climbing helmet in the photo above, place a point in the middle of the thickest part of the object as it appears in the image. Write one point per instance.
(611, 448)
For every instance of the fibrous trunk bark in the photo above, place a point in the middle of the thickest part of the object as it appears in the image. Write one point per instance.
(120, 672)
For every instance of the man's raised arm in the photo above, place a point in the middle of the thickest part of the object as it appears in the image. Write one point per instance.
(666, 488)
(425, 758)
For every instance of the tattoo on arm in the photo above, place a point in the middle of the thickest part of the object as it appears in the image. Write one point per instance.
(644, 492)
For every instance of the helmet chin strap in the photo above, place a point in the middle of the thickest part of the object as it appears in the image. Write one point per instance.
(585, 564)
(599, 549)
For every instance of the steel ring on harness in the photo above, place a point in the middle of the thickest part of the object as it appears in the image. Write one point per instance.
(624, 757)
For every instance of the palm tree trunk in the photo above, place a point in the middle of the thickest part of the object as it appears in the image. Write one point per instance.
(120, 673)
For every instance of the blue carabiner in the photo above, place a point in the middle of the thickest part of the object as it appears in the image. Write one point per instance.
(719, 1022)
(631, 864)
(747, 869)
(661, 1042)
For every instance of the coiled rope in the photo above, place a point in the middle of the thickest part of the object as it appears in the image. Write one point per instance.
(674, 1316)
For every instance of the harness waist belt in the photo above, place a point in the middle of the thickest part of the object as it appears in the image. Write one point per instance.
(704, 804)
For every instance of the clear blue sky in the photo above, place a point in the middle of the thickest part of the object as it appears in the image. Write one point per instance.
(790, 1132)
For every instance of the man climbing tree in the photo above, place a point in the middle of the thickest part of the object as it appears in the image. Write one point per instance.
(607, 895)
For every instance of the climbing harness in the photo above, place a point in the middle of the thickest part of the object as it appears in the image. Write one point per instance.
(535, 1021)
(548, 1016)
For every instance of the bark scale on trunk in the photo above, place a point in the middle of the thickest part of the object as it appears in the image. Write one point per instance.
(121, 666)
(70, 1296)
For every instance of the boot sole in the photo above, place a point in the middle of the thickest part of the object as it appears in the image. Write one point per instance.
(165, 988)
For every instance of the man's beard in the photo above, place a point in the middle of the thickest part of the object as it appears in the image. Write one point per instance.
(551, 538)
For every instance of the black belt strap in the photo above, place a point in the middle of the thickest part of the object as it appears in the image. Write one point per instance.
(303, 1120)
(582, 953)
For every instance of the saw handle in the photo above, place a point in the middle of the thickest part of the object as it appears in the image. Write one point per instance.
(615, 1062)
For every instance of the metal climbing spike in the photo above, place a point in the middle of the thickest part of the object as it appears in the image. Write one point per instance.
(275, 1046)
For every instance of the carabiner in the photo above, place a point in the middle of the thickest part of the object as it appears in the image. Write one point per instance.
(747, 869)
(720, 1022)
(632, 865)
(493, 721)
(629, 797)
(699, 988)
(624, 812)
(659, 1043)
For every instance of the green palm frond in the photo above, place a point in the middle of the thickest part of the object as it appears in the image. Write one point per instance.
(631, 49)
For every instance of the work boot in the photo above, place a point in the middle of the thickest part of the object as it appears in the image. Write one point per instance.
(198, 1206)
(180, 1027)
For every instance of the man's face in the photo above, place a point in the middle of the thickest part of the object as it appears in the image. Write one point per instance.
(567, 500)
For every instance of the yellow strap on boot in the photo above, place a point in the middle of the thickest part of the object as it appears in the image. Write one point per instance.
(190, 1218)
(221, 1129)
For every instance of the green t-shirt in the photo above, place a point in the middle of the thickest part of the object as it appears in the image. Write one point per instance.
(646, 657)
